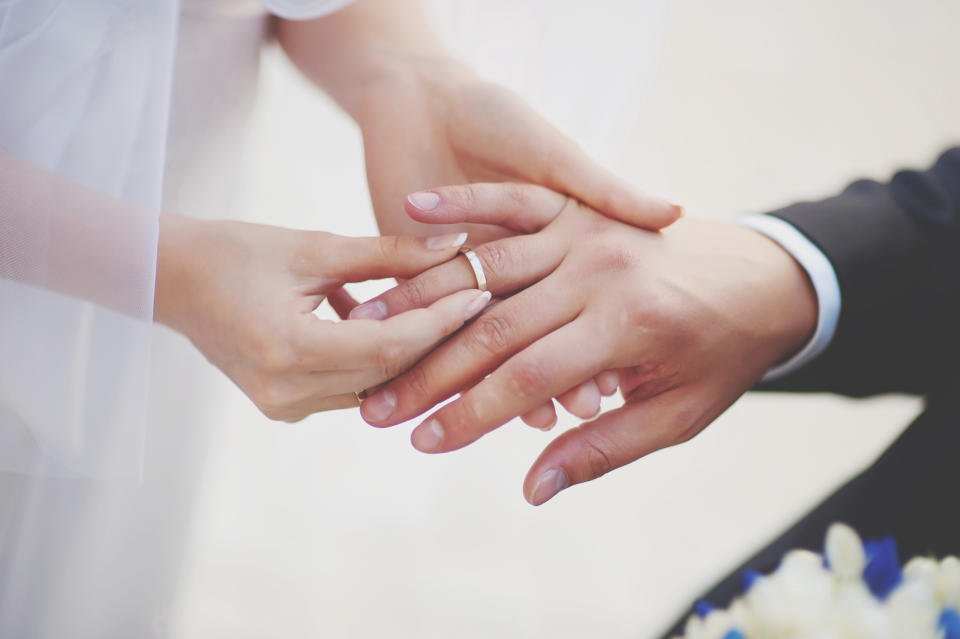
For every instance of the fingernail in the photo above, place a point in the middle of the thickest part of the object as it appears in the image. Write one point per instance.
(424, 200)
(549, 484)
(449, 241)
(427, 436)
(379, 406)
(550, 426)
(683, 210)
(476, 305)
(371, 310)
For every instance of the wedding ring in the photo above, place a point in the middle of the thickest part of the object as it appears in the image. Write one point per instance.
(477, 267)
(359, 395)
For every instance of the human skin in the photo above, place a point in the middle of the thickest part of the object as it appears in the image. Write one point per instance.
(244, 294)
(429, 120)
(691, 317)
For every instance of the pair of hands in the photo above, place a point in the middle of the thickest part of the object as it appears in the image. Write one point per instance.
(244, 294)
(689, 318)
(683, 321)
(686, 320)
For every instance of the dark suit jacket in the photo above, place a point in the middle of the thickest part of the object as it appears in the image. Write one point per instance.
(896, 250)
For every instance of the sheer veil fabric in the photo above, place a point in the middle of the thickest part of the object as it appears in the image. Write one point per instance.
(96, 485)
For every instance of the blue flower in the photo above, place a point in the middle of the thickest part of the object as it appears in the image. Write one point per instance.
(734, 634)
(703, 607)
(949, 623)
(882, 572)
(750, 577)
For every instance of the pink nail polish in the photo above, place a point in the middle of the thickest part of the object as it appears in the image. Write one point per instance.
(442, 242)
(476, 305)
(379, 406)
(428, 436)
(370, 310)
(548, 485)
(424, 200)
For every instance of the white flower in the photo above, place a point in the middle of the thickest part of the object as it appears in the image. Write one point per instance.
(804, 600)
(947, 582)
(844, 552)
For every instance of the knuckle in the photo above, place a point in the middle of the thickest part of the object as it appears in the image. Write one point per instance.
(413, 293)
(466, 417)
(494, 256)
(417, 383)
(272, 400)
(270, 353)
(465, 196)
(529, 379)
(491, 333)
(517, 195)
(609, 257)
(390, 247)
(599, 455)
(390, 353)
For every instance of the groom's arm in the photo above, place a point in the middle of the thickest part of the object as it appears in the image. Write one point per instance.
(895, 250)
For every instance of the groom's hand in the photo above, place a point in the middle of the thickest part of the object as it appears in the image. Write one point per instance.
(692, 316)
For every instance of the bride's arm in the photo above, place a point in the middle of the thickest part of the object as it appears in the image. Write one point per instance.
(59, 235)
(428, 119)
(362, 50)
(242, 293)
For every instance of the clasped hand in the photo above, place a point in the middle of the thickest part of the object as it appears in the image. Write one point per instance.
(689, 318)
(245, 294)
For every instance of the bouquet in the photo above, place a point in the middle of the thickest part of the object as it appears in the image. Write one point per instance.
(854, 590)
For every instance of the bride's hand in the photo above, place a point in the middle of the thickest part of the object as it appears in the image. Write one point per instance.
(690, 317)
(429, 120)
(245, 294)
(447, 126)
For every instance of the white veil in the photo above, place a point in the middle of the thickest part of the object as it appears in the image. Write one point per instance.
(96, 491)
(82, 129)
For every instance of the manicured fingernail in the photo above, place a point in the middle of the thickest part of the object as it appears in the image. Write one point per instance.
(549, 484)
(371, 310)
(427, 436)
(424, 200)
(476, 305)
(379, 406)
(442, 242)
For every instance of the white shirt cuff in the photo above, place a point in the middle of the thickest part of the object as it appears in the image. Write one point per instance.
(823, 278)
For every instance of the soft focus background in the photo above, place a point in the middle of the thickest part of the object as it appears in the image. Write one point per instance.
(329, 528)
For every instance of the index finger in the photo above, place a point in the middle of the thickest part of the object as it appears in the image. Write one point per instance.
(508, 264)
(524, 208)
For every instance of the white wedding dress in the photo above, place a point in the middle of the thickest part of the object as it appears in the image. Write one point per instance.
(101, 449)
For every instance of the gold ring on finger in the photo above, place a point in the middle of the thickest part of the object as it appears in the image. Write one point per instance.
(476, 266)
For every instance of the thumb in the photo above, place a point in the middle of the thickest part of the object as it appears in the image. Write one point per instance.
(357, 259)
(614, 439)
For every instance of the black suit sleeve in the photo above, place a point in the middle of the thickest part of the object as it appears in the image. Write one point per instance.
(896, 251)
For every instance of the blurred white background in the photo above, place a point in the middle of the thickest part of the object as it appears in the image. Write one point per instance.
(329, 528)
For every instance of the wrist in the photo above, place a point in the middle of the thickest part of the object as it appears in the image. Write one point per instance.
(762, 289)
(428, 79)
(791, 297)
(175, 261)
